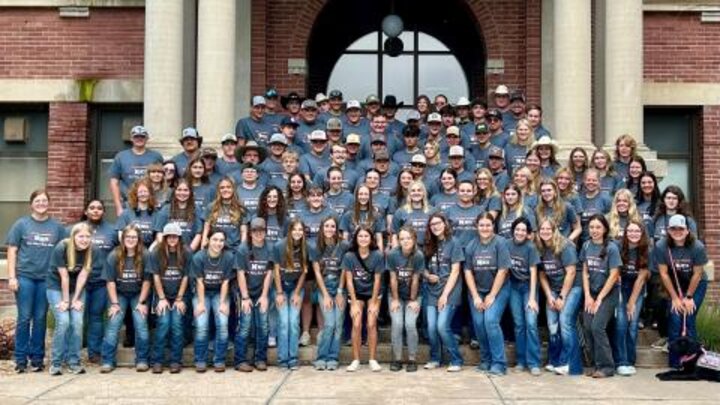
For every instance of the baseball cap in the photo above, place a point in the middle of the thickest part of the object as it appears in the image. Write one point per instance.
(456, 150)
(271, 93)
(452, 130)
(381, 155)
(418, 158)
(677, 221)
(352, 104)
(289, 121)
(481, 129)
(434, 117)
(493, 113)
(333, 124)
(209, 152)
(190, 132)
(517, 95)
(228, 138)
(258, 100)
(278, 138)
(257, 223)
(246, 166)
(378, 138)
(413, 115)
(172, 228)
(318, 135)
(372, 99)
(353, 138)
(309, 105)
(335, 94)
(138, 130)
(496, 152)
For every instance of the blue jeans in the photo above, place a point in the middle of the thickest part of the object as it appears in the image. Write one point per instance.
(258, 321)
(626, 330)
(112, 329)
(272, 314)
(288, 331)
(527, 340)
(331, 334)
(170, 322)
(95, 307)
(202, 327)
(676, 322)
(564, 344)
(440, 334)
(404, 319)
(32, 309)
(67, 337)
(489, 333)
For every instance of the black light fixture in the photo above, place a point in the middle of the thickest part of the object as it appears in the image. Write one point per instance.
(392, 26)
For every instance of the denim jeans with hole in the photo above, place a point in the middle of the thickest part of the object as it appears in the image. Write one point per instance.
(564, 343)
(67, 336)
(112, 330)
(404, 319)
(256, 321)
(169, 324)
(32, 306)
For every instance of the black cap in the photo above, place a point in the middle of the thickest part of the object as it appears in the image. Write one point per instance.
(335, 94)
(493, 113)
(289, 121)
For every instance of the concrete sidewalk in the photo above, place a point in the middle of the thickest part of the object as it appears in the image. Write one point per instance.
(307, 386)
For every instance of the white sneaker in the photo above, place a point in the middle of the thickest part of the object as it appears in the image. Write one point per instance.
(454, 369)
(305, 339)
(562, 370)
(431, 365)
(631, 370)
(374, 365)
(550, 368)
(272, 341)
(354, 366)
(623, 371)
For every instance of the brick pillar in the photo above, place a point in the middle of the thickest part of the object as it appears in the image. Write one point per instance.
(68, 177)
(709, 188)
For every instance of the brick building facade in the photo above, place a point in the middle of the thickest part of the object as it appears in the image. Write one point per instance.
(75, 69)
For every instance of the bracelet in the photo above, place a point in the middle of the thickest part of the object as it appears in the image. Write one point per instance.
(114, 304)
(179, 299)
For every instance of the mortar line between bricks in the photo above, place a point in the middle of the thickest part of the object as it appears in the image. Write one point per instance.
(51, 389)
(497, 390)
(278, 387)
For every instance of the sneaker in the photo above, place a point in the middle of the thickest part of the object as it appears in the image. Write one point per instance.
(497, 372)
(94, 359)
(659, 344)
(562, 370)
(294, 367)
(157, 368)
(272, 341)
(374, 365)
(305, 339)
(20, 369)
(664, 349)
(55, 370)
(106, 368)
(623, 371)
(454, 369)
(482, 368)
(354, 366)
(219, 368)
(320, 365)
(332, 365)
(395, 366)
(411, 366)
(244, 367)
(549, 368)
(76, 369)
(535, 371)
(36, 368)
(631, 370)
(142, 367)
(474, 344)
(519, 369)
(201, 367)
(175, 368)
(600, 374)
(261, 366)
(431, 365)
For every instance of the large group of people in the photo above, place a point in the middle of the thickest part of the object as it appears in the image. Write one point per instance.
(333, 212)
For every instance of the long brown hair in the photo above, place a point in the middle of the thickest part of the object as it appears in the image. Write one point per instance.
(122, 252)
(188, 214)
(643, 247)
(290, 245)
(357, 209)
(237, 211)
(431, 241)
(163, 252)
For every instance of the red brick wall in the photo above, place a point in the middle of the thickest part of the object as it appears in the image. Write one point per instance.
(37, 43)
(511, 29)
(680, 48)
(68, 159)
(710, 189)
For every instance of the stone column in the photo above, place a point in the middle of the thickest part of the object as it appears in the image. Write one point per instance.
(215, 109)
(623, 70)
(163, 77)
(572, 74)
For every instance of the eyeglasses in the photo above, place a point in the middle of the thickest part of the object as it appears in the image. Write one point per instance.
(436, 223)
(169, 170)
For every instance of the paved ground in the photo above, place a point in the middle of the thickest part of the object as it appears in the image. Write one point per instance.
(307, 386)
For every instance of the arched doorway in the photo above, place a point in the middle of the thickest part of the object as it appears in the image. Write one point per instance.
(443, 50)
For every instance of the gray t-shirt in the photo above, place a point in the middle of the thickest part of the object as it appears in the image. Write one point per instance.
(405, 267)
(599, 267)
(35, 241)
(485, 259)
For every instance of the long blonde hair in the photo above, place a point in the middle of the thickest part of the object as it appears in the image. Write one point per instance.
(408, 204)
(557, 205)
(237, 211)
(481, 195)
(71, 249)
(531, 137)
(557, 242)
(614, 215)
